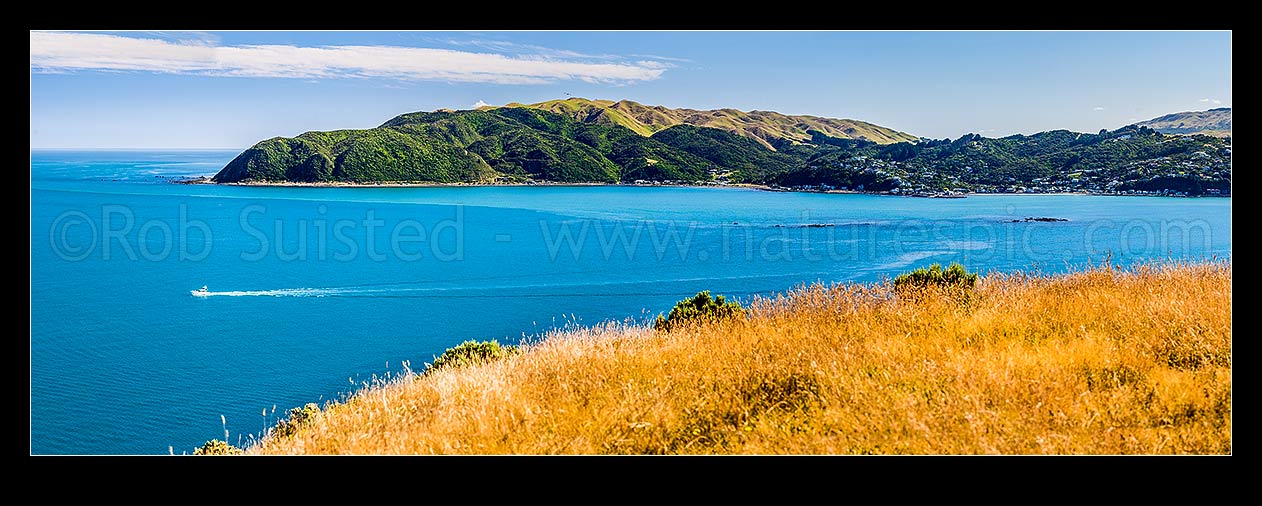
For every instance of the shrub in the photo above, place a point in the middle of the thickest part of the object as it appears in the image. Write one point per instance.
(700, 308)
(217, 447)
(297, 418)
(471, 352)
(954, 279)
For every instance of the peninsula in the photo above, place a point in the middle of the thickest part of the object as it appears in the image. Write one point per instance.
(606, 142)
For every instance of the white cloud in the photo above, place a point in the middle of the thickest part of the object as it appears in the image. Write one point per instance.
(1098, 108)
(1217, 102)
(60, 51)
(1214, 100)
(480, 103)
(1203, 100)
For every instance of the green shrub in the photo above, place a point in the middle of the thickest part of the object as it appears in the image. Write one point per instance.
(471, 352)
(217, 447)
(297, 418)
(698, 309)
(954, 279)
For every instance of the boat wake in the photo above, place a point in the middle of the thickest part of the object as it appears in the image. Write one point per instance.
(602, 288)
(284, 292)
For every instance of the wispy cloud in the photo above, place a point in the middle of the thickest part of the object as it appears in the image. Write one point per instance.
(60, 51)
(1214, 100)
(529, 50)
(480, 103)
(664, 58)
(1097, 108)
(532, 51)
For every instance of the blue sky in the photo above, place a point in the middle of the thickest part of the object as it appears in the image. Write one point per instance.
(231, 89)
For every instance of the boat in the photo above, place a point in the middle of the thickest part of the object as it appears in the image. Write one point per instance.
(201, 292)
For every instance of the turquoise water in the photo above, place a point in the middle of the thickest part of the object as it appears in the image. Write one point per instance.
(313, 291)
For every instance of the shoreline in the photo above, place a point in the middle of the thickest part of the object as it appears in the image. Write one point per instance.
(205, 180)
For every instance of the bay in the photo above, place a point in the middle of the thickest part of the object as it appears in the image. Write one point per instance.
(315, 291)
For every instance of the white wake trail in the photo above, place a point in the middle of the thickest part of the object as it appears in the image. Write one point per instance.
(284, 292)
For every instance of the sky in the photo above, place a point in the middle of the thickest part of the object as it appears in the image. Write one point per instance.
(232, 89)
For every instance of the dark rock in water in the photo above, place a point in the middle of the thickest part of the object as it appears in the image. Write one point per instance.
(1029, 219)
(805, 225)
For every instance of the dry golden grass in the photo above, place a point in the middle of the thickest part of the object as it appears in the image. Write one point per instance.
(1096, 362)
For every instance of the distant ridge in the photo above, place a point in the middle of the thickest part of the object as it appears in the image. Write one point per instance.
(1216, 122)
(766, 127)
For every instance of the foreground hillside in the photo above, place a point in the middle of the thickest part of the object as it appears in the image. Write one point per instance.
(1098, 362)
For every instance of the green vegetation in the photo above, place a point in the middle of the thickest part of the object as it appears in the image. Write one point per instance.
(579, 140)
(471, 352)
(954, 279)
(1128, 159)
(749, 161)
(699, 309)
(507, 145)
(217, 447)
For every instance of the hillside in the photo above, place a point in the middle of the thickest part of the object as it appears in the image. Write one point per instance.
(602, 145)
(1130, 159)
(1099, 362)
(502, 145)
(766, 127)
(1216, 122)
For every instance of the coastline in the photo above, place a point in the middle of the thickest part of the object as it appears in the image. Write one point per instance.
(422, 184)
(748, 186)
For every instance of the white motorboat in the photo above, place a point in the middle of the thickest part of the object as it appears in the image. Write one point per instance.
(201, 292)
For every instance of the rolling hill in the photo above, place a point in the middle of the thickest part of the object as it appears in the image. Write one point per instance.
(1216, 122)
(510, 144)
(767, 127)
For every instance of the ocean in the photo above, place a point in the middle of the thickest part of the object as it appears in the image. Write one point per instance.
(314, 292)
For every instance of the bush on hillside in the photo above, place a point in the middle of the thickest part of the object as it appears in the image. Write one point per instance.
(297, 418)
(699, 308)
(471, 352)
(217, 447)
(953, 279)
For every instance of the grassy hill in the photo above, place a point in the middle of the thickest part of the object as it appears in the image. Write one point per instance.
(1099, 362)
(765, 127)
(1216, 122)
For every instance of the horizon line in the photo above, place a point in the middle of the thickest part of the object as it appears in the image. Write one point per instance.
(33, 148)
